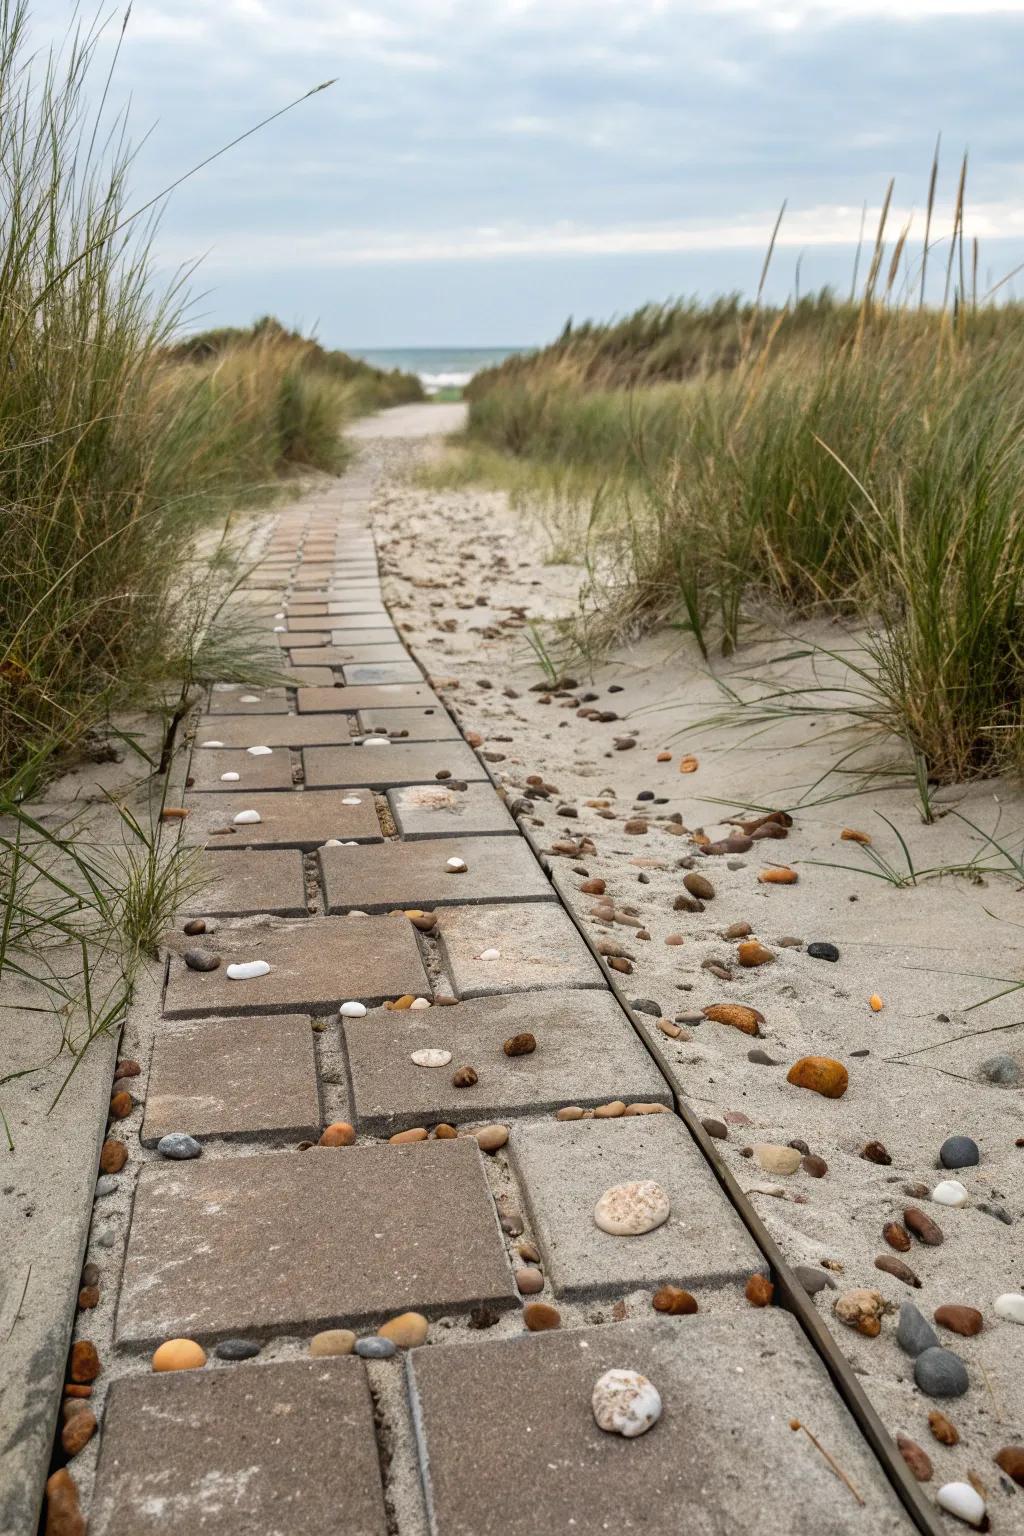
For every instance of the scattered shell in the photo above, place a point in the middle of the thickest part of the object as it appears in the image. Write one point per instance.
(252, 751)
(351, 800)
(963, 1501)
(625, 1403)
(229, 778)
(212, 743)
(352, 1010)
(246, 970)
(419, 1003)
(456, 866)
(246, 818)
(431, 1058)
(627, 1210)
(489, 954)
(377, 741)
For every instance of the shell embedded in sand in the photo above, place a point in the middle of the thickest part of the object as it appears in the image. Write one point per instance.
(625, 1403)
(628, 1210)
(431, 1058)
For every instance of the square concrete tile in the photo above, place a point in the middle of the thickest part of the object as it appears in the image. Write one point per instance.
(538, 945)
(308, 677)
(385, 767)
(565, 1167)
(722, 1458)
(434, 810)
(358, 672)
(383, 696)
(274, 732)
(340, 655)
(249, 880)
(415, 874)
(302, 819)
(587, 1053)
(233, 1077)
(248, 1451)
(207, 770)
(299, 1241)
(432, 723)
(248, 701)
(302, 640)
(316, 964)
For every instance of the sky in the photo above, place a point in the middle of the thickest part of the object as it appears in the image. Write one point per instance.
(481, 171)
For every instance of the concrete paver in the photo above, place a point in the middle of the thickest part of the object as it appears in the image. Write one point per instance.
(586, 1054)
(282, 1447)
(416, 874)
(372, 696)
(431, 723)
(302, 819)
(276, 732)
(357, 672)
(342, 622)
(207, 770)
(248, 701)
(233, 1077)
(385, 768)
(314, 966)
(538, 946)
(249, 880)
(435, 810)
(225, 1246)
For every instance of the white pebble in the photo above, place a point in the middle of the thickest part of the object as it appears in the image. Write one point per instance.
(351, 843)
(456, 865)
(247, 818)
(224, 687)
(279, 629)
(357, 912)
(1010, 1307)
(278, 615)
(249, 698)
(489, 954)
(950, 1192)
(252, 751)
(627, 1210)
(212, 743)
(229, 778)
(431, 1058)
(625, 1403)
(333, 842)
(245, 970)
(351, 800)
(418, 1002)
(352, 1010)
(962, 1500)
(377, 741)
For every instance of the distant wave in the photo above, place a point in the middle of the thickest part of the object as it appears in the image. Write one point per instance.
(432, 382)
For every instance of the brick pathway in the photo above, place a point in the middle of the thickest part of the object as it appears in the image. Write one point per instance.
(266, 1237)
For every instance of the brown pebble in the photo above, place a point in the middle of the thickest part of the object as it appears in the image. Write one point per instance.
(623, 966)
(850, 835)
(636, 826)
(401, 1138)
(569, 1112)
(70, 1406)
(593, 887)
(737, 1015)
(716, 1128)
(874, 1152)
(464, 1077)
(674, 1301)
(675, 939)
(78, 1431)
(645, 1108)
(489, 1138)
(63, 1515)
(759, 1291)
(819, 1074)
(922, 1226)
(528, 1250)
(529, 1281)
(916, 1459)
(737, 931)
(898, 1269)
(88, 1297)
(113, 1156)
(751, 953)
(340, 1134)
(687, 904)
(523, 1044)
(944, 1430)
(668, 1028)
(76, 1389)
(127, 1068)
(966, 1321)
(120, 1105)
(194, 926)
(445, 1132)
(896, 1236)
(778, 874)
(407, 1330)
(85, 1361)
(539, 1316)
(90, 1274)
(815, 1166)
(1011, 1461)
(699, 886)
(610, 1111)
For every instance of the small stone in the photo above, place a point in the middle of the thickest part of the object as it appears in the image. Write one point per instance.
(737, 1016)
(776, 1159)
(528, 1281)
(483, 1316)
(914, 1333)
(89, 1297)
(674, 1301)
(465, 1077)
(523, 1044)
(874, 1152)
(967, 1321)
(179, 1355)
(528, 1250)
(813, 1280)
(429, 1057)
(406, 1331)
(237, 1349)
(716, 1128)
(819, 1074)
(959, 1152)
(998, 1211)
(813, 1165)
(896, 1236)
(106, 1184)
(737, 931)
(252, 751)
(120, 1105)
(352, 1010)
(629, 1210)
(1001, 1070)
(489, 954)
(950, 1192)
(375, 1348)
(1010, 1307)
(1011, 1461)
(194, 926)
(456, 866)
(625, 1403)
(699, 886)
(611, 1111)
(90, 1274)
(752, 953)
(761, 1058)
(113, 1156)
(916, 1459)
(339, 1134)
(247, 970)
(179, 1146)
(759, 1291)
(127, 1068)
(940, 1373)
(778, 874)
(822, 950)
(861, 1309)
(78, 1431)
(539, 1316)
(922, 1226)
(247, 818)
(963, 1501)
(896, 1267)
(404, 1138)
(85, 1361)
(801, 1146)
(63, 1514)
(489, 1138)
(944, 1430)
(444, 1132)
(647, 1005)
(675, 939)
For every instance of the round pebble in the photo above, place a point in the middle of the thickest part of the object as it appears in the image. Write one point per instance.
(966, 1321)
(1002, 1070)
(339, 1134)
(351, 800)
(625, 1403)
(822, 950)
(429, 1057)
(1010, 1307)
(820, 1074)
(489, 954)
(352, 1010)
(629, 1210)
(456, 866)
(237, 1349)
(529, 1281)
(179, 1146)
(332, 1341)
(375, 1348)
(247, 970)
(405, 1331)
(179, 1355)
(247, 818)
(774, 1159)
(229, 778)
(959, 1152)
(950, 1192)
(940, 1373)
(541, 1317)
(963, 1501)
(201, 960)
(490, 1137)
(914, 1333)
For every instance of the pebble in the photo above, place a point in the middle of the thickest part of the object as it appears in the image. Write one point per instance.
(916, 1459)
(407, 1330)
(194, 925)
(674, 1301)
(404, 1138)
(539, 1316)
(875, 1152)
(1002, 1070)
(1010, 1307)
(237, 1349)
(761, 1058)
(611, 1111)
(252, 751)
(922, 1226)
(646, 1005)
(465, 1077)
(737, 1016)
(179, 1355)
(776, 1159)
(230, 778)
(456, 866)
(338, 1134)
(822, 950)
(963, 1501)
(998, 1211)
(85, 1361)
(352, 1011)
(107, 1239)
(759, 1291)
(1011, 1461)
(88, 1297)
(815, 1166)
(914, 1333)
(819, 1074)
(950, 1192)
(716, 1128)
(752, 953)
(814, 1280)
(737, 931)
(944, 1430)
(523, 1044)
(419, 1003)
(215, 744)
(63, 1512)
(528, 1250)
(105, 1185)
(247, 818)
(778, 874)
(860, 1309)
(247, 970)
(959, 1152)
(78, 1431)
(940, 1373)
(896, 1267)
(896, 1236)
(628, 1210)
(625, 1403)
(489, 954)
(120, 1105)
(529, 1281)
(179, 1146)
(375, 1348)
(699, 886)
(489, 1138)
(351, 800)
(967, 1321)
(201, 960)
(430, 1057)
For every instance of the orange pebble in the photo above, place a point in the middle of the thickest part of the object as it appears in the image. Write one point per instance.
(779, 874)
(851, 835)
(179, 1355)
(663, 757)
(340, 1134)
(401, 1002)
(875, 1003)
(418, 1133)
(688, 765)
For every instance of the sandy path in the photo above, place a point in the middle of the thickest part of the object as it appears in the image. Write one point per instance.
(463, 575)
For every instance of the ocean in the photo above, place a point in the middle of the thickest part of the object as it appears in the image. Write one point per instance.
(438, 367)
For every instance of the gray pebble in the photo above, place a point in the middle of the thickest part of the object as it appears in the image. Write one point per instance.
(689, 1018)
(821, 949)
(107, 1239)
(201, 960)
(813, 1280)
(735, 863)
(1002, 1070)
(716, 1128)
(646, 1005)
(761, 1058)
(105, 1185)
(998, 1211)
(940, 1373)
(236, 1349)
(178, 1145)
(914, 1333)
(376, 1348)
(959, 1152)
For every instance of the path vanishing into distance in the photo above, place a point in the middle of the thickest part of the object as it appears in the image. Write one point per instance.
(409, 1171)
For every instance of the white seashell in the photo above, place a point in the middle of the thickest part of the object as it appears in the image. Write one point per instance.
(627, 1210)
(1010, 1307)
(278, 615)
(431, 1058)
(247, 818)
(350, 844)
(249, 698)
(418, 1002)
(351, 800)
(212, 743)
(279, 629)
(489, 954)
(962, 1500)
(254, 751)
(456, 865)
(246, 970)
(377, 741)
(625, 1403)
(229, 778)
(357, 912)
(333, 842)
(950, 1192)
(352, 1010)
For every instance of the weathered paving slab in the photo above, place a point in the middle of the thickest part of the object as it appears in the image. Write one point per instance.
(388, 767)
(432, 723)
(339, 655)
(276, 731)
(207, 770)
(342, 623)
(233, 1077)
(308, 677)
(247, 1451)
(538, 946)
(415, 874)
(722, 1458)
(565, 1166)
(587, 1054)
(249, 881)
(314, 966)
(302, 623)
(358, 672)
(297, 640)
(302, 819)
(303, 1241)
(374, 696)
(435, 810)
(248, 701)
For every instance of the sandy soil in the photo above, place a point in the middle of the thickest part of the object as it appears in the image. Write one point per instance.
(463, 572)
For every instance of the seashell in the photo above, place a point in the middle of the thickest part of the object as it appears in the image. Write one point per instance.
(625, 1403)
(257, 751)
(246, 970)
(963, 1501)
(229, 778)
(429, 1057)
(627, 1210)
(212, 743)
(247, 818)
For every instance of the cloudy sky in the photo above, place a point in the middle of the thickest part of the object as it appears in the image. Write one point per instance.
(484, 168)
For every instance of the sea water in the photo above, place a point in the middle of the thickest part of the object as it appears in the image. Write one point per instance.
(438, 367)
